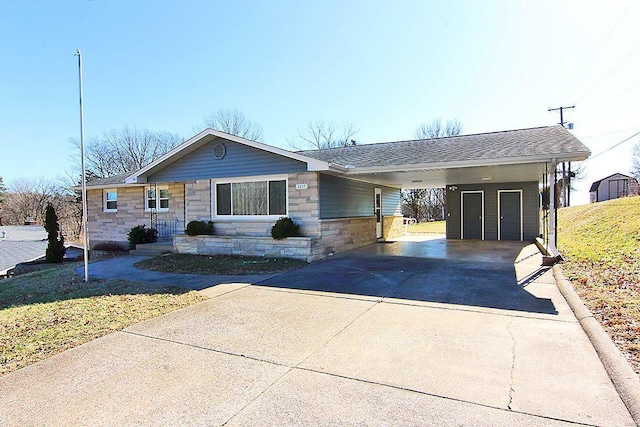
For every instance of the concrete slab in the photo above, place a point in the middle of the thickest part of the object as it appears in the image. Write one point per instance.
(533, 366)
(123, 379)
(308, 398)
(265, 324)
(459, 355)
(558, 358)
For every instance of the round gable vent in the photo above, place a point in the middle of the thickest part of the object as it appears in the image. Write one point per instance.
(219, 151)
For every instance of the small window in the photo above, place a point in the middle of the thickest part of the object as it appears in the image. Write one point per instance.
(110, 198)
(157, 198)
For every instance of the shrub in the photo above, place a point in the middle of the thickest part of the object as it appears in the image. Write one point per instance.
(195, 228)
(285, 227)
(55, 247)
(141, 234)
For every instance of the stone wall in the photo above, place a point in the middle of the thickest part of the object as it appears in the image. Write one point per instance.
(304, 248)
(339, 235)
(392, 227)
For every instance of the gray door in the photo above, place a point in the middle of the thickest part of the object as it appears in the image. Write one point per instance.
(510, 215)
(472, 215)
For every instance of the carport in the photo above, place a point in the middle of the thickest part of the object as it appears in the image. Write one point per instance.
(494, 182)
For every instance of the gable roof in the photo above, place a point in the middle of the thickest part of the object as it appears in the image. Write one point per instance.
(209, 135)
(596, 184)
(513, 146)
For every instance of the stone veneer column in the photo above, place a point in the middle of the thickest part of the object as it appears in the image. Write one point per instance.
(304, 204)
(197, 197)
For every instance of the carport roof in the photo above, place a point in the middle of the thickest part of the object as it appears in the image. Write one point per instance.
(522, 144)
(507, 156)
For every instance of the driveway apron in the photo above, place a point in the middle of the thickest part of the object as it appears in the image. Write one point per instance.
(438, 333)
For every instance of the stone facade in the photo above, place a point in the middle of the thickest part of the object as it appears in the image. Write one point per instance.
(113, 227)
(392, 227)
(198, 200)
(339, 235)
(247, 236)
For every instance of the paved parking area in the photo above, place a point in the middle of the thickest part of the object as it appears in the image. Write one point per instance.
(392, 334)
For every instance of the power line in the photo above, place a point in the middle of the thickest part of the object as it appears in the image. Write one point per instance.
(611, 72)
(612, 147)
(597, 49)
(614, 100)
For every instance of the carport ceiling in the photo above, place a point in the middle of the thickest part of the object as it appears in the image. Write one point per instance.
(441, 177)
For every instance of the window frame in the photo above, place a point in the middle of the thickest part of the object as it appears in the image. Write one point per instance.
(261, 178)
(158, 189)
(105, 200)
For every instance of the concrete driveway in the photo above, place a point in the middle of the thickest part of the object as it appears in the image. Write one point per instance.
(439, 333)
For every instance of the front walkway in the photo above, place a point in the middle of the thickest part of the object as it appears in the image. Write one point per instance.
(357, 339)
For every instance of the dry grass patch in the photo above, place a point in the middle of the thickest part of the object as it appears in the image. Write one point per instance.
(219, 264)
(438, 227)
(601, 243)
(46, 312)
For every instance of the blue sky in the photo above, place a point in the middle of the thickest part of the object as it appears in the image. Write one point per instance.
(386, 66)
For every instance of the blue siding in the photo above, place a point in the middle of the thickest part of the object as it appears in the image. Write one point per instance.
(346, 198)
(240, 160)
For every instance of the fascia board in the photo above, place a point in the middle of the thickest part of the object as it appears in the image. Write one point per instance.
(579, 156)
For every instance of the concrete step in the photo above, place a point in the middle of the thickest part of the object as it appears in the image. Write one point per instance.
(152, 249)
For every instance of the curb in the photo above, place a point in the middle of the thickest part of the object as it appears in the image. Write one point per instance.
(623, 377)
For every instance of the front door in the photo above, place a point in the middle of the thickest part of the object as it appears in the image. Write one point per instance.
(510, 215)
(472, 215)
(377, 210)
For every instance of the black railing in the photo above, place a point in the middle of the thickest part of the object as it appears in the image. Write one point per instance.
(167, 228)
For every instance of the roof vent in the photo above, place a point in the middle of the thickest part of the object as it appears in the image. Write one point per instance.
(219, 151)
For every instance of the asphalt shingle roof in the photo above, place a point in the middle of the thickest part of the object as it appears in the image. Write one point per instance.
(112, 180)
(539, 141)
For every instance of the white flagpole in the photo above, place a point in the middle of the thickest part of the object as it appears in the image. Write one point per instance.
(84, 176)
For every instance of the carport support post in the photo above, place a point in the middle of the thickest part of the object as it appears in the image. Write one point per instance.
(552, 206)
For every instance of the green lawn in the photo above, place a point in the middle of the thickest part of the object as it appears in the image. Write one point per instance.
(49, 311)
(601, 244)
(219, 264)
(439, 227)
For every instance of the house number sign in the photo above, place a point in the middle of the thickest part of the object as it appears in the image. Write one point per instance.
(301, 186)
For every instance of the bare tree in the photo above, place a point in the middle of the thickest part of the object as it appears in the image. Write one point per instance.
(428, 204)
(124, 151)
(27, 198)
(321, 134)
(435, 129)
(234, 122)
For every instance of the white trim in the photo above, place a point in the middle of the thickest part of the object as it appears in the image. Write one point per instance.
(157, 199)
(379, 227)
(462, 193)
(521, 212)
(260, 178)
(197, 140)
(105, 193)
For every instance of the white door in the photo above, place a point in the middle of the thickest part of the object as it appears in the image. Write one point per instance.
(378, 211)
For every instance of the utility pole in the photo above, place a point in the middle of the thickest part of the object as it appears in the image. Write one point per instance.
(561, 109)
(566, 180)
